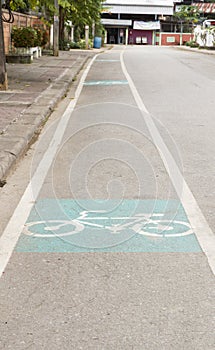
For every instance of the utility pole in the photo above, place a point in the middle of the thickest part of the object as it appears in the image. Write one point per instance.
(87, 36)
(56, 29)
(3, 72)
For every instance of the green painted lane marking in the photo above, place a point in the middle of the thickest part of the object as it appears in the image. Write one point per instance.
(105, 82)
(107, 226)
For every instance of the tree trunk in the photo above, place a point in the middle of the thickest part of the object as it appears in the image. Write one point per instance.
(61, 25)
(3, 73)
(56, 30)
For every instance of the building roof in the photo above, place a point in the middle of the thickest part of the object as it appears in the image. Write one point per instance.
(160, 7)
(206, 7)
(139, 2)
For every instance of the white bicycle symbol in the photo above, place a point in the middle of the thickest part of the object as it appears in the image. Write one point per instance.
(152, 225)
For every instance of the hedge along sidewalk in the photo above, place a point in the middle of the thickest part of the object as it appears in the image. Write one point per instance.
(34, 91)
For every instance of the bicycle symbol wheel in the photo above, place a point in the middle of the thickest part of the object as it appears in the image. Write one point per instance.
(57, 228)
(162, 228)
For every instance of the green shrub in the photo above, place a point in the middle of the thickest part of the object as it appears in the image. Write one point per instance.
(74, 45)
(45, 38)
(24, 37)
(64, 45)
(67, 45)
(82, 44)
(192, 43)
(38, 39)
(29, 37)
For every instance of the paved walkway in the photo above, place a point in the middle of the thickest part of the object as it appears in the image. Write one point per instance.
(34, 90)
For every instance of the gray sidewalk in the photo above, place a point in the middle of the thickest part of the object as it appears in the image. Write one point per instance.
(34, 90)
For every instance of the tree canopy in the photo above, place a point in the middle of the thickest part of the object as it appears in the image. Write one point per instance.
(187, 16)
(187, 13)
(81, 12)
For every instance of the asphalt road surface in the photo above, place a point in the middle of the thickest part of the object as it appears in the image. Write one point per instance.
(107, 223)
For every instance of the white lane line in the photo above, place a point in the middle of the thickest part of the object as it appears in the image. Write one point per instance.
(105, 60)
(16, 224)
(197, 220)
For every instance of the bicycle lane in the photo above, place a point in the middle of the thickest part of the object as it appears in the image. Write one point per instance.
(107, 176)
(116, 147)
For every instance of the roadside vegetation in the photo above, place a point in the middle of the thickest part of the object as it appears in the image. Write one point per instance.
(77, 13)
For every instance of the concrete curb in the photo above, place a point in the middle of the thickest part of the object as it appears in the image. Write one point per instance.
(190, 49)
(19, 135)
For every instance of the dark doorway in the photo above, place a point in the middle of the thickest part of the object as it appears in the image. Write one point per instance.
(116, 35)
(112, 36)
